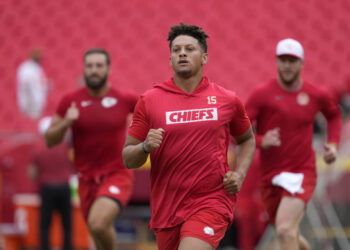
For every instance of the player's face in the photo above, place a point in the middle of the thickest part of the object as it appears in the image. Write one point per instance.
(186, 56)
(289, 68)
(96, 70)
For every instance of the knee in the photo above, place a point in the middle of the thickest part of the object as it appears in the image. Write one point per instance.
(97, 225)
(286, 233)
(305, 247)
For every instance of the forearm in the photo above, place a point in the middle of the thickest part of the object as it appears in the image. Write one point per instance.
(134, 156)
(245, 155)
(334, 129)
(55, 134)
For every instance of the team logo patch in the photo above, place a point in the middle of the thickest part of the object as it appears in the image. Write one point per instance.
(191, 115)
(108, 102)
(208, 230)
(303, 99)
(114, 190)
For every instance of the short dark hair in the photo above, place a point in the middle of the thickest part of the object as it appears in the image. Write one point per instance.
(189, 30)
(98, 51)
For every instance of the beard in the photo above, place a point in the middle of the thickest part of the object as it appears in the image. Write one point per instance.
(290, 80)
(187, 72)
(95, 84)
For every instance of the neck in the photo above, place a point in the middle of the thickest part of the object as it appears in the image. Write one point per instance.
(99, 92)
(188, 84)
(291, 87)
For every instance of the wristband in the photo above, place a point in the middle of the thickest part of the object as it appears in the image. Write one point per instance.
(144, 148)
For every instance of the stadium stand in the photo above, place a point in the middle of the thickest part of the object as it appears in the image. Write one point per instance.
(243, 35)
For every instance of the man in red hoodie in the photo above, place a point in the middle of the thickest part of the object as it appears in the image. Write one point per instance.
(185, 125)
(284, 110)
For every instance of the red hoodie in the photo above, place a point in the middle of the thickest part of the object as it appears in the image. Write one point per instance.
(188, 169)
(293, 112)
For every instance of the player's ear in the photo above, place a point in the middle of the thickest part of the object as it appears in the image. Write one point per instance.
(205, 58)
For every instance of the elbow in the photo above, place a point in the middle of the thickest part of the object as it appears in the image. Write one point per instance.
(126, 164)
(129, 166)
(131, 159)
(49, 143)
(249, 140)
(50, 140)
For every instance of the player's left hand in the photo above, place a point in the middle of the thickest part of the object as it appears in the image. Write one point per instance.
(330, 153)
(233, 182)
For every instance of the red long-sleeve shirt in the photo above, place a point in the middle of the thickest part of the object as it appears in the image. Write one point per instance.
(270, 106)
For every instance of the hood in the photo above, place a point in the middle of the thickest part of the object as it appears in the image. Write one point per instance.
(169, 86)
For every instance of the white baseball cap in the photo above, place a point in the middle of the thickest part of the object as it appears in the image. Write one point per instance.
(44, 124)
(290, 47)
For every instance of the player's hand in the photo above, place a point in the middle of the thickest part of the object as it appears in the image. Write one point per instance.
(233, 182)
(330, 153)
(72, 113)
(271, 139)
(154, 139)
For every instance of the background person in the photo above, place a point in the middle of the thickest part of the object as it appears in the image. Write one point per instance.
(97, 114)
(32, 86)
(283, 111)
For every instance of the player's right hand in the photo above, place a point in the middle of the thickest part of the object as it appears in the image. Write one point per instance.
(271, 139)
(330, 153)
(154, 139)
(233, 182)
(72, 113)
